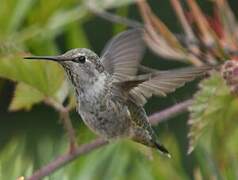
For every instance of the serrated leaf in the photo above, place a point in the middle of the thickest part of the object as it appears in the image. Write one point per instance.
(25, 97)
(212, 105)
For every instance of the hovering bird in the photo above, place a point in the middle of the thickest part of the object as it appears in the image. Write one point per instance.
(111, 93)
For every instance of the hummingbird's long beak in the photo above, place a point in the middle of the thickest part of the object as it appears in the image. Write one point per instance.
(51, 58)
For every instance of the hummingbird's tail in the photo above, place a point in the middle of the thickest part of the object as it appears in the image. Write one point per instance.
(162, 149)
(141, 136)
(153, 143)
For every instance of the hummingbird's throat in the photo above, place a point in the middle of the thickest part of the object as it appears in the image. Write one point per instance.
(92, 92)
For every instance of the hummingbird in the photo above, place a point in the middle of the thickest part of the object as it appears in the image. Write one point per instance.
(111, 91)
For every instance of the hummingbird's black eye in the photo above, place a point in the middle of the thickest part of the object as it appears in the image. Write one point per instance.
(80, 59)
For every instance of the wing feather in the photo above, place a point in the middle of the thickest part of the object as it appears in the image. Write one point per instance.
(122, 55)
(165, 82)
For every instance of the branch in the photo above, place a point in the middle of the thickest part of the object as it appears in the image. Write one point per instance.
(64, 112)
(169, 112)
(70, 130)
(83, 149)
(66, 158)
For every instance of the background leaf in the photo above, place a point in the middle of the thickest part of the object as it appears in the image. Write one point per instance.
(213, 105)
(46, 77)
(25, 97)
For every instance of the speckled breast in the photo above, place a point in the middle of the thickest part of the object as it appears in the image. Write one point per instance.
(110, 119)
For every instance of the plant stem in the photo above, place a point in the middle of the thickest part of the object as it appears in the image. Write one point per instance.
(64, 112)
(70, 131)
(169, 112)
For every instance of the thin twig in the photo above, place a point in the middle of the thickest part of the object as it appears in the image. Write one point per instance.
(70, 130)
(114, 18)
(64, 112)
(169, 112)
(83, 149)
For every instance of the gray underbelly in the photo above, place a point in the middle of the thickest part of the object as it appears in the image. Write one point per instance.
(107, 124)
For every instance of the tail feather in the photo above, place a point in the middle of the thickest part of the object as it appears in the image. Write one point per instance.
(162, 149)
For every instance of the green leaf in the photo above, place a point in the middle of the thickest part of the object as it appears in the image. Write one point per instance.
(62, 18)
(46, 77)
(13, 152)
(122, 11)
(24, 154)
(19, 13)
(213, 107)
(25, 97)
(76, 36)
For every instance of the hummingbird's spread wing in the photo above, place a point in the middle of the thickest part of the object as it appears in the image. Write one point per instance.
(165, 82)
(122, 55)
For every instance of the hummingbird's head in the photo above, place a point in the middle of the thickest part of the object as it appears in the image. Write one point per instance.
(81, 61)
(80, 64)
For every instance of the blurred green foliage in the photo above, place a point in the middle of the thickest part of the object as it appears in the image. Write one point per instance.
(32, 138)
